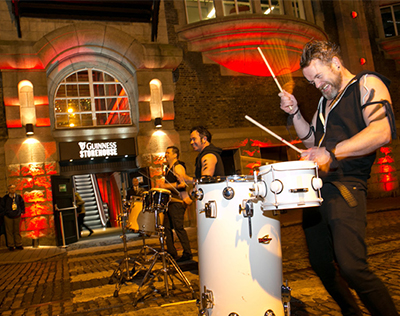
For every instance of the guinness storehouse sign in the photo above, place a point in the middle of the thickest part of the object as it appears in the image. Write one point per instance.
(101, 149)
(97, 149)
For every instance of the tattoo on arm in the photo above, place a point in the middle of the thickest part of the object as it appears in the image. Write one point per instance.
(371, 96)
(205, 166)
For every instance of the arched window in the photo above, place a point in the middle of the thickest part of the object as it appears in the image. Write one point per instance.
(91, 98)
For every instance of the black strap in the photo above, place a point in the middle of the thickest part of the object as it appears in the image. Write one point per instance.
(389, 114)
(346, 194)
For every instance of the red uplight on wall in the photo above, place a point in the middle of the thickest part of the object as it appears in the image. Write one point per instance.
(363, 61)
(354, 14)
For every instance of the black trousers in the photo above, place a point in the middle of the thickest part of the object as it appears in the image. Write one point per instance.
(81, 224)
(173, 219)
(335, 234)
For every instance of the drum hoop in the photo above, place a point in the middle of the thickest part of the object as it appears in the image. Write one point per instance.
(161, 190)
(232, 178)
(273, 168)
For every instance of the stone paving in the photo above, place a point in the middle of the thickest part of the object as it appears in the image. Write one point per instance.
(78, 282)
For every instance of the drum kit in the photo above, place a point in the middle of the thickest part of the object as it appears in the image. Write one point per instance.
(145, 215)
(238, 234)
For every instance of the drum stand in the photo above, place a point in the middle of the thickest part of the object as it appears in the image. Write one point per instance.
(168, 263)
(122, 273)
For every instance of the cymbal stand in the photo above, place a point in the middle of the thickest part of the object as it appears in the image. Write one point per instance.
(168, 264)
(122, 273)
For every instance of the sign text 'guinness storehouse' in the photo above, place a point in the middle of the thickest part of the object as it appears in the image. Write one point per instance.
(101, 149)
(97, 149)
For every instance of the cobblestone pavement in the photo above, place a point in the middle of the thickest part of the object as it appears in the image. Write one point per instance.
(78, 282)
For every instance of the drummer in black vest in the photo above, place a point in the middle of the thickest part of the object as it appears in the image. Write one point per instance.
(174, 217)
(208, 162)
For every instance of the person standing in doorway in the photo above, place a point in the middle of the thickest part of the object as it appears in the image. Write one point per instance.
(12, 206)
(81, 215)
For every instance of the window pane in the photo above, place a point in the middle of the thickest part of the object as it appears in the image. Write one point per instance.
(109, 78)
(192, 11)
(61, 91)
(83, 76)
(110, 90)
(73, 106)
(97, 76)
(123, 104)
(62, 120)
(244, 6)
(84, 90)
(113, 118)
(396, 10)
(101, 118)
(387, 20)
(111, 105)
(229, 7)
(100, 104)
(98, 90)
(86, 105)
(86, 119)
(75, 120)
(60, 106)
(125, 118)
(270, 9)
(72, 90)
(71, 78)
(120, 91)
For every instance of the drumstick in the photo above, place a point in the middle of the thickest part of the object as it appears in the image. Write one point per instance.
(273, 134)
(164, 180)
(272, 73)
(269, 68)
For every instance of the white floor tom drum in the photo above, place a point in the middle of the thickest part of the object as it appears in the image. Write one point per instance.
(240, 260)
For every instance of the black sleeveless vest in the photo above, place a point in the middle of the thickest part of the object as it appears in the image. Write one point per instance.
(345, 120)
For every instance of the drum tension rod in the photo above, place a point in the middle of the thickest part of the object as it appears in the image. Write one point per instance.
(247, 209)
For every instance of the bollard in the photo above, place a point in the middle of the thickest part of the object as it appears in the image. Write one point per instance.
(35, 243)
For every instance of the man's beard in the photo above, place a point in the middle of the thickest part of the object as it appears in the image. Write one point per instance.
(335, 87)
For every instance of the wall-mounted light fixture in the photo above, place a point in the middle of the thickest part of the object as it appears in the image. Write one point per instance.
(29, 129)
(157, 122)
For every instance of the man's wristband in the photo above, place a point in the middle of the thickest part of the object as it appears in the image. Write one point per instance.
(297, 111)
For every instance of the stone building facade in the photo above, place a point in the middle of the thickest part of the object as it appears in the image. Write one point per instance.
(183, 75)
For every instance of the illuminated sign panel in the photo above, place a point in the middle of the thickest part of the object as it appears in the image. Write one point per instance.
(97, 149)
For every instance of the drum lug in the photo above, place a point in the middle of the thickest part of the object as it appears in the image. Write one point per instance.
(197, 194)
(286, 296)
(259, 189)
(246, 208)
(269, 313)
(228, 193)
(207, 301)
(210, 208)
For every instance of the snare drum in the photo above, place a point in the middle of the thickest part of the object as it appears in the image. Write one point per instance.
(240, 268)
(290, 184)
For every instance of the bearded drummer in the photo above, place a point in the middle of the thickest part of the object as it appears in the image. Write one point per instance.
(174, 217)
(353, 119)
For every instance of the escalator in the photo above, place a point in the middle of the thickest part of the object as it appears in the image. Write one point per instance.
(96, 214)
